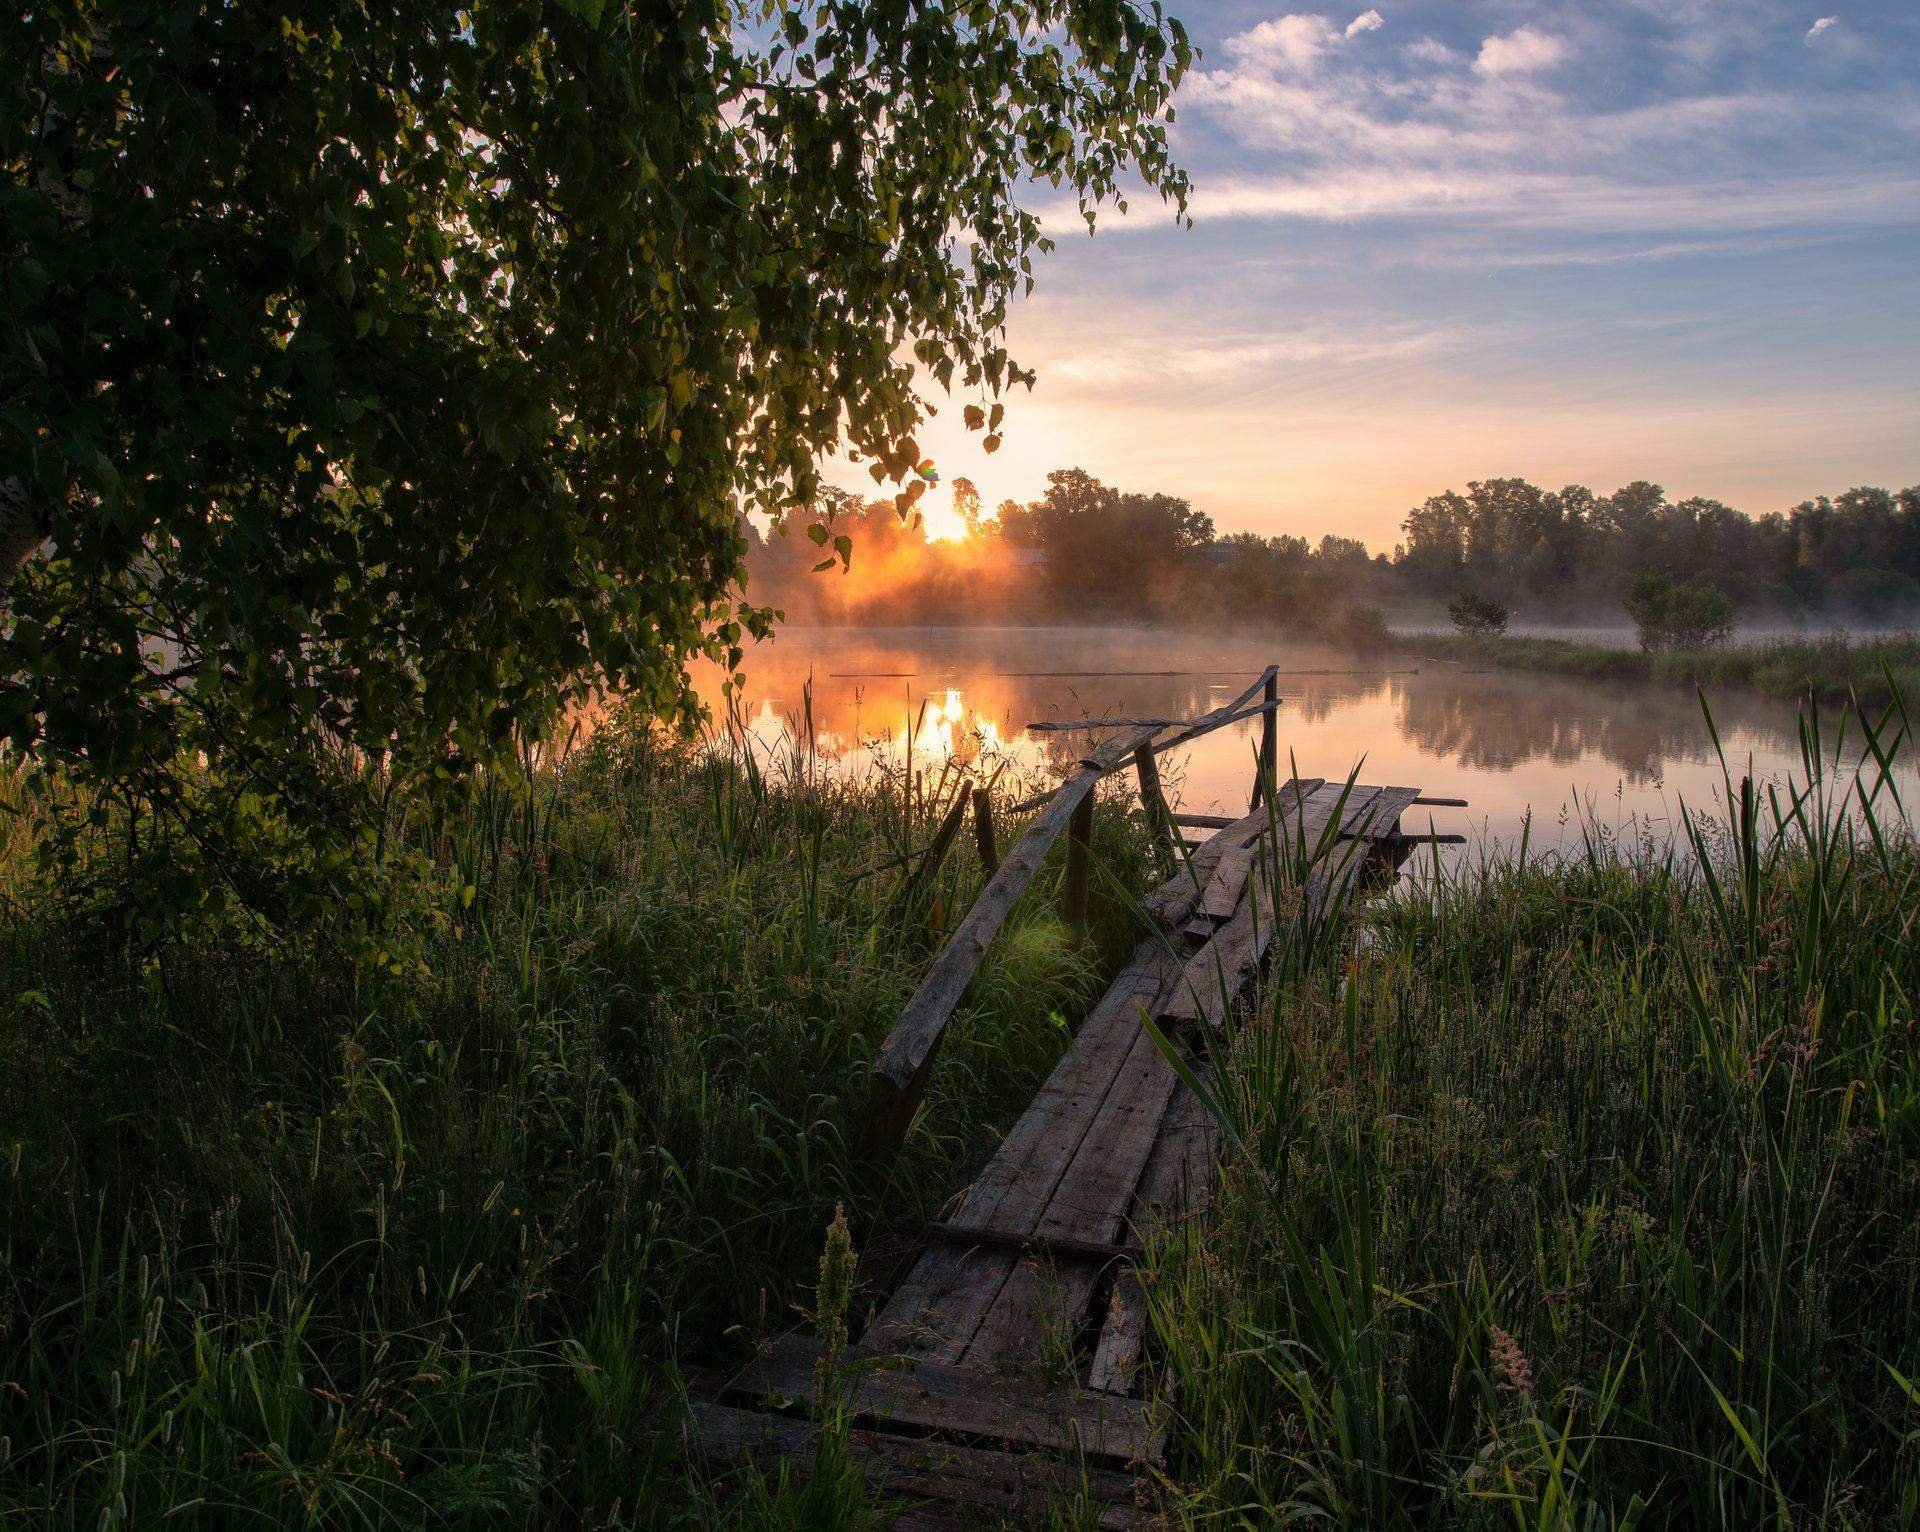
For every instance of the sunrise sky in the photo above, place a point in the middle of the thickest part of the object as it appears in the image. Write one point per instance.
(1440, 241)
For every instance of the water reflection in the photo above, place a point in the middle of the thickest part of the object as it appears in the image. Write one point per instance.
(1509, 742)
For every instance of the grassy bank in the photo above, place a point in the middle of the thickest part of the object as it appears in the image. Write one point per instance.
(1834, 668)
(1585, 1193)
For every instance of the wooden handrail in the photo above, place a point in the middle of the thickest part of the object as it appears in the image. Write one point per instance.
(1206, 723)
(900, 1068)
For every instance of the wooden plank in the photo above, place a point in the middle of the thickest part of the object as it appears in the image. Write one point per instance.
(1177, 898)
(1238, 715)
(1025, 1485)
(935, 1312)
(900, 1067)
(1116, 1354)
(1039, 1300)
(1047, 1249)
(936, 1396)
(1221, 896)
(1178, 1184)
(1215, 974)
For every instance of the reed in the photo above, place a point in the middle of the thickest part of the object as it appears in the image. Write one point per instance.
(1581, 1192)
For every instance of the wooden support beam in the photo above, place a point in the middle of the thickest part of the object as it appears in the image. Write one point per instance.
(983, 830)
(1269, 765)
(1444, 803)
(1203, 821)
(937, 849)
(1077, 883)
(900, 1068)
(1154, 801)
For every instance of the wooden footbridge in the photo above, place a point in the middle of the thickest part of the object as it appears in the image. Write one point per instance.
(1011, 1370)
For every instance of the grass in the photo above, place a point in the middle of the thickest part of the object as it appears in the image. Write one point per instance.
(1577, 1193)
(1833, 669)
(1585, 1194)
(288, 1244)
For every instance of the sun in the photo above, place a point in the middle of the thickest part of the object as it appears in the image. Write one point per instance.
(943, 523)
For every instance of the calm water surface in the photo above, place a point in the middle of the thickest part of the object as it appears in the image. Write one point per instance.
(1517, 746)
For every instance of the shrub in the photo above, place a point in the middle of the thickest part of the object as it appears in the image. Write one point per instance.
(1670, 616)
(1477, 616)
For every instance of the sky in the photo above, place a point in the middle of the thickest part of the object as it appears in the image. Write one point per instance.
(1435, 242)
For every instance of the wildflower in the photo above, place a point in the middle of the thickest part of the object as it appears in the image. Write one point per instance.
(834, 1297)
(1512, 1372)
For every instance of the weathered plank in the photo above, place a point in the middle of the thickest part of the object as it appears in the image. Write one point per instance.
(1177, 1185)
(936, 1310)
(900, 1068)
(1116, 1354)
(981, 1479)
(936, 1396)
(1040, 1298)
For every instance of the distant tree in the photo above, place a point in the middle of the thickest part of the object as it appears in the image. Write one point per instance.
(378, 381)
(1475, 616)
(1670, 616)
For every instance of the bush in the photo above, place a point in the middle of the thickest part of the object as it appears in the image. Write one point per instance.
(1669, 616)
(1476, 616)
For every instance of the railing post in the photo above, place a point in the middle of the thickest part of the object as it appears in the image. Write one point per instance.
(1079, 877)
(983, 830)
(1159, 822)
(1269, 742)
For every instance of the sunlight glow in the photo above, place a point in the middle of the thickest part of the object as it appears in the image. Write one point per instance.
(943, 522)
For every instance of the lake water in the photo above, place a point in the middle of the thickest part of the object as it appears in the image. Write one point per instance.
(1514, 745)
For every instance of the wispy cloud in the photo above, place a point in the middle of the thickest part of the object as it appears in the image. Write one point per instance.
(1823, 25)
(1366, 21)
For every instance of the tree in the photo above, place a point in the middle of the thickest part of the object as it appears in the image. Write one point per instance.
(377, 382)
(1670, 616)
(1475, 616)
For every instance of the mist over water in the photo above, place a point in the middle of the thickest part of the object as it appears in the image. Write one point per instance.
(1514, 745)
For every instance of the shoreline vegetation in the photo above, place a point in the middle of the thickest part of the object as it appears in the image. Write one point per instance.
(1583, 1190)
(1833, 668)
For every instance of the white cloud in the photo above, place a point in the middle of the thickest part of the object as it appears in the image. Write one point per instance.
(1430, 50)
(1293, 43)
(1366, 21)
(1521, 51)
(1824, 24)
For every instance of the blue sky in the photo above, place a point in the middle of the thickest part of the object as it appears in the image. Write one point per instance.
(1435, 242)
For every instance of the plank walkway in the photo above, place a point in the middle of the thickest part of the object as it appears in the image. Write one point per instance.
(959, 1390)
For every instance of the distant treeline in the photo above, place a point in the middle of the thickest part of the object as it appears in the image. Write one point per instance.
(1086, 551)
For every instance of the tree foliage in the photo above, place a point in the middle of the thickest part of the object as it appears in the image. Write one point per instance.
(1478, 617)
(376, 381)
(1670, 616)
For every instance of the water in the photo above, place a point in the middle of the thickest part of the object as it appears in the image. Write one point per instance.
(1519, 747)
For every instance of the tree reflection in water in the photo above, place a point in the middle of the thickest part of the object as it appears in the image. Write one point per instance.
(1507, 741)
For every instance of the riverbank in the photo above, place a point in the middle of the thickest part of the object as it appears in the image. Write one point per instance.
(1574, 1188)
(1833, 668)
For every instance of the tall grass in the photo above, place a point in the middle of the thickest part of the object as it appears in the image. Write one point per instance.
(283, 1243)
(1582, 1193)
(1574, 1192)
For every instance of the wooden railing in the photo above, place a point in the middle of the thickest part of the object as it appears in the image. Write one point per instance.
(900, 1068)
